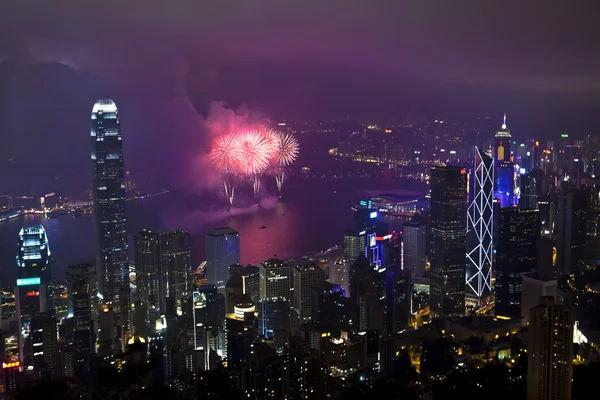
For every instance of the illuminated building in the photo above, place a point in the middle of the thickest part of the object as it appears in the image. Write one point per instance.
(11, 374)
(83, 288)
(339, 273)
(550, 351)
(531, 189)
(199, 304)
(176, 259)
(305, 279)
(517, 250)
(109, 199)
(480, 218)
(46, 358)
(449, 199)
(33, 276)
(222, 251)
(240, 332)
(415, 247)
(504, 179)
(355, 242)
(571, 226)
(367, 286)
(535, 287)
(275, 279)
(273, 316)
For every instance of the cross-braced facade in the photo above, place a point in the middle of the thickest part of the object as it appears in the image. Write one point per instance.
(480, 217)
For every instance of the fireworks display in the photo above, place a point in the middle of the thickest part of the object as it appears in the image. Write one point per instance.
(250, 154)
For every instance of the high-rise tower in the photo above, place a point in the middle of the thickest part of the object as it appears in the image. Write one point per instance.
(504, 180)
(480, 217)
(222, 251)
(33, 276)
(448, 230)
(109, 199)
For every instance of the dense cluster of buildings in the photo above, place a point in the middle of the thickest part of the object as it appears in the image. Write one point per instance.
(489, 266)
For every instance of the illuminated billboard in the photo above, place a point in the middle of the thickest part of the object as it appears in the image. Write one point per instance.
(373, 214)
(28, 281)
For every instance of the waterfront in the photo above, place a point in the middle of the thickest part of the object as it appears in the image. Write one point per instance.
(312, 216)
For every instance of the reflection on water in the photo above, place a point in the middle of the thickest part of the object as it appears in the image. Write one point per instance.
(313, 216)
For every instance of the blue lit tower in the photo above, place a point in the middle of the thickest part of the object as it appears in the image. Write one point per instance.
(222, 251)
(109, 198)
(33, 276)
(504, 182)
(480, 217)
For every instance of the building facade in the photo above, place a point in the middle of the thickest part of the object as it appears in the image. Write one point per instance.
(222, 251)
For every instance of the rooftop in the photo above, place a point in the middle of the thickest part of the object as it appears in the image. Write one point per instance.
(222, 232)
(105, 106)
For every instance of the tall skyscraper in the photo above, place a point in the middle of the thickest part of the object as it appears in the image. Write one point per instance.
(109, 199)
(571, 225)
(222, 251)
(449, 200)
(305, 279)
(415, 247)
(480, 218)
(339, 273)
(531, 189)
(550, 352)
(82, 284)
(517, 252)
(149, 275)
(33, 277)
(504, 179)
(45, 344)
(176, 262)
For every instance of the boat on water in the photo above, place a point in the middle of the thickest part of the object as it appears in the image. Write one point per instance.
(262, 227)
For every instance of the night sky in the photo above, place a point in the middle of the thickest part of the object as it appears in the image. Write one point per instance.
(165, 62)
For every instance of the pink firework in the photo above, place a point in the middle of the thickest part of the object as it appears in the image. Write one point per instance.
(256, 151)
(226, 153)
(287, 149)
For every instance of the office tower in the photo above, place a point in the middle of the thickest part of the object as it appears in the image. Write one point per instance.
(355, 243)
(240, 332)
(31, 291)
(550, 351)
(367, 286)
(592, 245)
(448, 231)
(415, 247)
(398, 287)
(107, 332)
(534, 287)
(199, 312)
(149, 275)
(109, 199)
(68, 362)
(571, 224)
(480, 219)
(531, 188)
(12, 377)
(45, 347)
(222, 250)
(332, 308)
(176, 263)
(82, 284)
(275, 280)
(339, 273)
(273, 316)
(251, 280)
(516, 255)
(305, 279)
(504, 177)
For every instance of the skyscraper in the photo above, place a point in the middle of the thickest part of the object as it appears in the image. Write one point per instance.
(176, 262)
(531, 189)
(305, 279)
(504, 179)
(222, 251)
(571, 226)
(448, 230)
(109, 198)
(415, 247)
(82, 284)
(550, 352)
(517, 252)
(33, 276)
(355, 243)
(149, 275)
(480, 218)
(275, 280)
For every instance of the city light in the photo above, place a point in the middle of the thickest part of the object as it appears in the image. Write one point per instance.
(28, 281)
(10, 364)
(373, 215)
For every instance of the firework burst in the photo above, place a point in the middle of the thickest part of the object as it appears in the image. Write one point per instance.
(286, 152)
(226, 155)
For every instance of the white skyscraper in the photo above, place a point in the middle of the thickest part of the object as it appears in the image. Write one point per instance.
(480, 216)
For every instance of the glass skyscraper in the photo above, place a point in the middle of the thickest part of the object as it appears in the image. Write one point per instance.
(109, 198)
(449, 199)
(222, 251)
